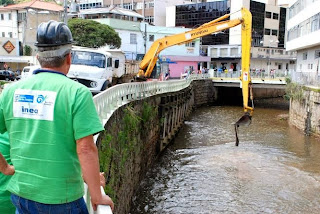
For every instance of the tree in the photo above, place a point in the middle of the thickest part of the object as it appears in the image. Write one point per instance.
(6, 2)
(27, 50)
(89, 33)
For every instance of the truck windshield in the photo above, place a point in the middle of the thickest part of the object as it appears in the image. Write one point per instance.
(88, 58)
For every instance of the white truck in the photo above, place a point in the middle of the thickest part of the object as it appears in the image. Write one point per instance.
(98, 69)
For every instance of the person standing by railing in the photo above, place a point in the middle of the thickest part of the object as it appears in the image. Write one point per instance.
(51, 121)
(6, 171)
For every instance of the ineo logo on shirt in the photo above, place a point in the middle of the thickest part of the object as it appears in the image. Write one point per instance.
(41, 99)
(29, 110)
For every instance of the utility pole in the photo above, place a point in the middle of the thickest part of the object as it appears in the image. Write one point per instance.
(65, 12)
(145, 38)
(144, 10)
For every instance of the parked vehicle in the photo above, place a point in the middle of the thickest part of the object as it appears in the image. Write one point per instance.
(12, 75)
(97, 69)
(7, 75)
(3, 75)
(28, 71)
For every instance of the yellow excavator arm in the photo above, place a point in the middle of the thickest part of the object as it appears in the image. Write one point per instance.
(219, 24)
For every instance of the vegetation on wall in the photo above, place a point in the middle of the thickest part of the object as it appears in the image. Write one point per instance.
(293, 91)
(121, 144)
(89, 33)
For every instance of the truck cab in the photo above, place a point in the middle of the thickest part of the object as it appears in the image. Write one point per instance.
(92, 68)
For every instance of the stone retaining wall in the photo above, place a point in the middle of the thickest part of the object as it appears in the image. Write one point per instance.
(305, 114)
(136, 133)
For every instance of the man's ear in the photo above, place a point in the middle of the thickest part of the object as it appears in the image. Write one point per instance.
(69, 58)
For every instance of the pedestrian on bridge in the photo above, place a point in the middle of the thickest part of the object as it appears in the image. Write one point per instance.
(51, 121)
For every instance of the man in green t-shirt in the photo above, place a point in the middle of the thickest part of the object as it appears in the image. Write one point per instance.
(51, 121)
(5, 203)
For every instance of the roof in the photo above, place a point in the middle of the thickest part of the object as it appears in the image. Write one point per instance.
(112, 10)
(36, 4)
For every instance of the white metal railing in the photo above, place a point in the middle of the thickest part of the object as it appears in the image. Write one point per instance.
(306, 78)
(111, 99)
(258, 74)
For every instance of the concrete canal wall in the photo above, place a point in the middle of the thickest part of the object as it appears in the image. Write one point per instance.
(305, 112)
(137, 133)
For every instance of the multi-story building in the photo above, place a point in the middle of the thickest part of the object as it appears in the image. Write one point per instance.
(303, 28)
(18, 23)
(224, 48)
(153, 11)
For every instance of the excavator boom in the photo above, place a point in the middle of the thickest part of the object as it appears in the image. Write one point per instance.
(217, 25)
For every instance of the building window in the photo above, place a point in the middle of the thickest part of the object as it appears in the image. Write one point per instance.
(311, 66)
(128, 6)
(268, 15)
(10, 34)
(267, 31)
(191, 44)
(149, 19)
(139, 6)
(315, 23)
(151, 38)
(9, 16)
(275, 16)
(310, 25)
(214, 52)
(223, 52)
(3, 34)
(22, 17)
(133, 38)
(317, 54)
(234, 51)
(305, 56)
(274, 32)
(279, 66)
(2, 16)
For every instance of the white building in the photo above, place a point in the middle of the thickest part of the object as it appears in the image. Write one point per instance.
(303, 28)
(18, 24)
(153, 11)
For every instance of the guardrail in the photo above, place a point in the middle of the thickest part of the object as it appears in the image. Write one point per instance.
(306, 78)
(111, 99)
(253, 74)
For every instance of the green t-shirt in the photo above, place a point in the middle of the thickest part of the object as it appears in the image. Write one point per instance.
(44, 116)
(5, 203)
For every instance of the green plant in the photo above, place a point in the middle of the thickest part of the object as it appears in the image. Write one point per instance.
(288, 80)
(27, 50)
(294, 91)
(120, 145)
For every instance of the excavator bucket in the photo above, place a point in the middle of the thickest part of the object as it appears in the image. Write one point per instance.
(245, 120)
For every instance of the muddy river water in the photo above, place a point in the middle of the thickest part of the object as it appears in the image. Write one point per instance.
(275, 169)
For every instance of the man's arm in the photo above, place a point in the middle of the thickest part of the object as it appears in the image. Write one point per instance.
(88, 157)
(5, 168)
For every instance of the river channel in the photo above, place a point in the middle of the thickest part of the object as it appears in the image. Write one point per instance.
(275, 169)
